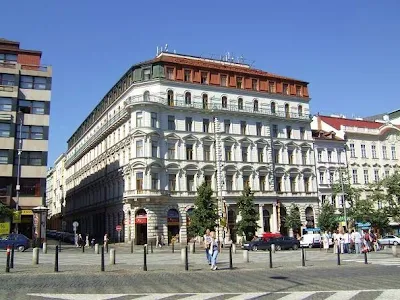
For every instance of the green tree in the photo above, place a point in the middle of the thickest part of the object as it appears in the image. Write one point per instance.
(327, 219)
(5, 212)
(248, 224)
(343, 185)
(392, 200)
(293, 220)
(204, 215)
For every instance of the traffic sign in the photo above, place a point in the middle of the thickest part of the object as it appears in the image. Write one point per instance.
(118, 228)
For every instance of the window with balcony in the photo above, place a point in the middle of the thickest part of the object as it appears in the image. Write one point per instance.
(376, 175)
(7, 79)
(244, 154)
(139, 148)
(187, 76)
(304, 157)
(170, 73)
(300, 111)
(258, 128)
(352, 151)
(170, 98)
(190, 183)
(278, 183)
(188, 98)
(5, 104)
(224, 101)
(154, 120)
(287, 113)
(154, 149)
(262, 181)
(285, 89)
(260, 154)
(293, 184)
(243, 126)
(255, 105)
(373, 151)
(5, 130)
(30, 132)
(154, 181)
(204, 78)
(363, 151)
(172, 182)
(394, 156)
(171, 150)
(208, 179)
(228, 153)
(366, 177)
(205, 101)
(146, 74)
(302, 133)
(355, 176)
(246, 181)
(239, 82)
(277, 158)
(240, 103)
(171, 122)
(189, 152)
(329, 156)
(254, 84)
(275, 131)
(188, 124)
(384, 152)
(290, 156)
(229, 182)
(33, 82)
(139, 119)
(273, 107)
(298, 91)
(227, 126)
(224, 80)
(271, 87)
(206, 125)
(31, 107)
(139, 182)
(30, 158)
(306, 184)
(322, 177)
(3, 157)
(207, 152)
(319, 155)
(288, 132)
(8, 57)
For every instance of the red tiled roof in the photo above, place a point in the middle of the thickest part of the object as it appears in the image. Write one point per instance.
(336, 122)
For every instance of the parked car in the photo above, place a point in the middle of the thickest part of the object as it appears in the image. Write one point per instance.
(389, 240)
(310, 240)
(281, 243)
(20, 241)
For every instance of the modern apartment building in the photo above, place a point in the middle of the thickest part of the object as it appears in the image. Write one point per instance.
(176, 121)
(25, 88)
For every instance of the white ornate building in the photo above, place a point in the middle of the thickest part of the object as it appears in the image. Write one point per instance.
(175, 121)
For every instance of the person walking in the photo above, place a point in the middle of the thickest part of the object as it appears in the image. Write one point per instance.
(356, 237)
(325, 241)
(214, 250)
(346, 242)
(105, 241)
(207, 244)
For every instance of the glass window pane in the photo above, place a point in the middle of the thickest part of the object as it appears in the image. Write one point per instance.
(40, 83)
(38, 108)
(26, 82)
(7, 79)
(5, 104)
(37, 133)
(5, 129)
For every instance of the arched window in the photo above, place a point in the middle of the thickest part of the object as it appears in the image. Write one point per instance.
(224, 102)
(287, 114)
(188, 98)
(273, 108)
(205, 101)
(240, 103)
(300, 110)
(255, 105)
(146, 96)
(170, 98)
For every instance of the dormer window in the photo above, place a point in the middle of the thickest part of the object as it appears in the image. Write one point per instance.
(254, 84)
(298, 91)
(239, 82)
(285, 89)
(187, 76)
(271, 87)
(146, 74)
(204, 78)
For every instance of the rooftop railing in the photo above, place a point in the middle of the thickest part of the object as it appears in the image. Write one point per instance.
(15, 65)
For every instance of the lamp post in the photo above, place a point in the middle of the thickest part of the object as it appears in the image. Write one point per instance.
(18, 187)
(342, 188)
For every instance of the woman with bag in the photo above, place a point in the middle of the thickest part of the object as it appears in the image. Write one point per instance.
(214, 249)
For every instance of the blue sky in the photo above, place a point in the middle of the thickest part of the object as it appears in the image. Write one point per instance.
(347, 50)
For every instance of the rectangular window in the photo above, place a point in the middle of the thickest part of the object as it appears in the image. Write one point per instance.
(189, 152)
(224, 80)
(254, 84)
(302, 133)
(363, 151)
(271, 87)
(288, 132)
(373, 151)
(190, 183)
(276, 156)
(228, 153)
(331, 177)
(285, 89)
(307, 184)
(206, 125)
(278, 181)
(31, 107)
(352, 151)
(293, 184)
(154, 120)
(387, 173)
(170, 73)
(3, 157)
(154, 181)
(304, 157)
(290, 156)
(244, 154)
(329, 156)
(30, 158)
(227, 126)
(5, 129)
(171, 123)
(36, 132)
(243, 126)
(139, 182)
(258, 128)
(5, 104)
(384, 152)
(7, 57)
(139, 118)
(7, 79)
(275, 131)
(366, 177)
(355, 176)
(322, 177)
(262, 181)
(394, 156)
(30, 187)
(187, 76)
(246, 181)
(171, 150)
(239, 82)
(298, 91)
(207, 153)
(188, 124)
(260, 154)
(207, 179)
(139, 148)
(204, 78)
(376, 175)
(172, 182)
(319, 155)
(154, 149)
(33, 82)
(229, 182)
(146, 74)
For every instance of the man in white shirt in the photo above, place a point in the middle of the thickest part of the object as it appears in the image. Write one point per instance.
(346, 241)
(356, 236)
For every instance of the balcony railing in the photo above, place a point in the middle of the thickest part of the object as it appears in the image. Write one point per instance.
(7, 88)
(8, 65)
(145, 193)
(360, 130)
(14, 65)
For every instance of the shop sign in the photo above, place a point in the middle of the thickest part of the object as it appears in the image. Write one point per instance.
(27, 212)
(4, 228)
(16, 216)
(141, 220)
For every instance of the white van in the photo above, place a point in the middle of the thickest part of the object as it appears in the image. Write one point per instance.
(310, 240)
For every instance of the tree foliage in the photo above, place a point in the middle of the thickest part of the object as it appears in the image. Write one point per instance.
(249, 215)
(5, 212)
(204, 215)
(327, 219)
(293, 220)
(343, 185)
(392, 196)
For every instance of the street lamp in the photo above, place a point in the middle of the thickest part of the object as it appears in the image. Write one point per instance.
(342, 188)
(18, 187)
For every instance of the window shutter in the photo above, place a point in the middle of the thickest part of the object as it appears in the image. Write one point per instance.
(247, 83)
(179, 74)
(292, 89)
(279, 87)
(305, 91)
(263, 85)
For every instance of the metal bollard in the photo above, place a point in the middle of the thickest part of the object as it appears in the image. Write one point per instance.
(96, 249)
(102, 259)
(131, 246)
(83, 248)
(44, 248)
(338, 256)
(365, 258)
(303, 257)
(194, 246)
(186, 259)
(144, 258)
(8, 260)
(112, 257)
(12, 257)
(230, 258)
(151, 247)
(35, 256)
(246, 256)
(270, 258)
(173, 247)
(56, 260)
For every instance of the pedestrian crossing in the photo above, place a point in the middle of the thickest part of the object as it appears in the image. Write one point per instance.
(382, 261)
(392, 294)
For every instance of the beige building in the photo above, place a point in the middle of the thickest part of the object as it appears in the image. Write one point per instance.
(25, 89)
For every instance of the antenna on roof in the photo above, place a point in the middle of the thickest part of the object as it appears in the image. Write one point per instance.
(166, 48)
